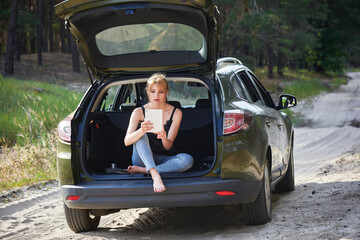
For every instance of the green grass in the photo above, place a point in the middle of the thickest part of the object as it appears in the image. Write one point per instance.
(30, 109)
(305, 84)
(337, 81)
(29, 114)
(301, 83)
(305, 88)
(26, 165)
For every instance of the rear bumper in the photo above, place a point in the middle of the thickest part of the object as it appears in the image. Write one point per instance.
(139, 193)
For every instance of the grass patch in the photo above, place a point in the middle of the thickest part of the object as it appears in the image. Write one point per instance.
(26, 165)
(29, 110)
(301, 83)
(337, 81)
(306, 84)
(304, 89)
(29, 114)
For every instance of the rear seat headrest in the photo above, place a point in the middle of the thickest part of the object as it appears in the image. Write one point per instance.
(175, 104)
(129, 106)
(203, 103)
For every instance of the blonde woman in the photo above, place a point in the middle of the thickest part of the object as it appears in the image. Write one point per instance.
(153, 152)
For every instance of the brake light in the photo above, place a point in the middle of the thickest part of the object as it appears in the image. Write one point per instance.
(73, 198)
(225, 193)
(64, 129)
(233, 121)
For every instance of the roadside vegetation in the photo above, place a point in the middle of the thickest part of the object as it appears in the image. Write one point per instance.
(29, 114)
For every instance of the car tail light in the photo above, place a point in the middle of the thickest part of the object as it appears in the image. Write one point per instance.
(233, 121)
(72, 198)
(64, 129)
(225, 193)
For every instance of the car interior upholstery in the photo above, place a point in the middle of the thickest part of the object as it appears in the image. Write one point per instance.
(105, 141)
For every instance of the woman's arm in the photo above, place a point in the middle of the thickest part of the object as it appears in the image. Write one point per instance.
(133, 135)
(168, 141)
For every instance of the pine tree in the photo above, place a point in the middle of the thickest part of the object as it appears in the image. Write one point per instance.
(10, 46)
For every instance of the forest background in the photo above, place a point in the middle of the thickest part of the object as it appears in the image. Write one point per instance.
(316, 39)
(317, 35)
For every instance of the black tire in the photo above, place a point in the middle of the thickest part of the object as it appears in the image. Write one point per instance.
(259, 212)
(287, 184)
(81, 220)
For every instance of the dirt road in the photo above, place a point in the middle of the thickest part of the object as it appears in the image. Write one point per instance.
(324, 205)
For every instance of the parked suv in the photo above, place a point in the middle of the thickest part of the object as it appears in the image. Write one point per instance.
(241, 142)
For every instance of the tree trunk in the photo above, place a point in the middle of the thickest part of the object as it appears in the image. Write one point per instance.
(24, 40)
(45, 42)
(69, 41)
(261, 58)
(271, 60)
(10, 46)
(33, 45)
(280, 64)
(32, 38)
(39, 31)
(17, 46)
(75, 56)
(50, 30)
(62, 35)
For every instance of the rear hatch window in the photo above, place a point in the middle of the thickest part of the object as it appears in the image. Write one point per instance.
(141, 38)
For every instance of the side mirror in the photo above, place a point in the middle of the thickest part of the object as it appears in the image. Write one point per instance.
(287, 101)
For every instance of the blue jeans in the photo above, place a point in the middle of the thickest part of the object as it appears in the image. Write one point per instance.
(143, 157)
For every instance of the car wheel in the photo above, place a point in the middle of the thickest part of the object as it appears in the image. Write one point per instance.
(81, 220)
(287, 184)
(259, 211)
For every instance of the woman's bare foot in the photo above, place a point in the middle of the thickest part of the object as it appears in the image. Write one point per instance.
(136, 169)
(158, 182)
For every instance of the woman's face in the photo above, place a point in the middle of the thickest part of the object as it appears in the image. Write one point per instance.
(157, 94)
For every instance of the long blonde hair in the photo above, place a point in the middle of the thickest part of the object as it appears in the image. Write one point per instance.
(158, 78)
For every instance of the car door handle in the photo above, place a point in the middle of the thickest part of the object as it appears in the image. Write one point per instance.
(279, 125)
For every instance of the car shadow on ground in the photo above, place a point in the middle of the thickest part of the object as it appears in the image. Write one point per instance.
(186, 222)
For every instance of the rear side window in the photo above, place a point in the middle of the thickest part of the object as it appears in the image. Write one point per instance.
(108, 99)
(265, 94)
(239, 89)
(246, 81)
(131, 97)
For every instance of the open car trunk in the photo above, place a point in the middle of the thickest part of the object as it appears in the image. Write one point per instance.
(105, 152)
(119, 36)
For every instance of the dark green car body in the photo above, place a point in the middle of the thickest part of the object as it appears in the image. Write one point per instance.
(240, 140)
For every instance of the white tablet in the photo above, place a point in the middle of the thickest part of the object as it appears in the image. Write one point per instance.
(155, 117)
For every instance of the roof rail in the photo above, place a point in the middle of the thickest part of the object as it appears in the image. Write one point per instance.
(227, 60)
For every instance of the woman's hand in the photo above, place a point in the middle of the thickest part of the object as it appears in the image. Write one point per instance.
(161, 135)
(146, 126)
